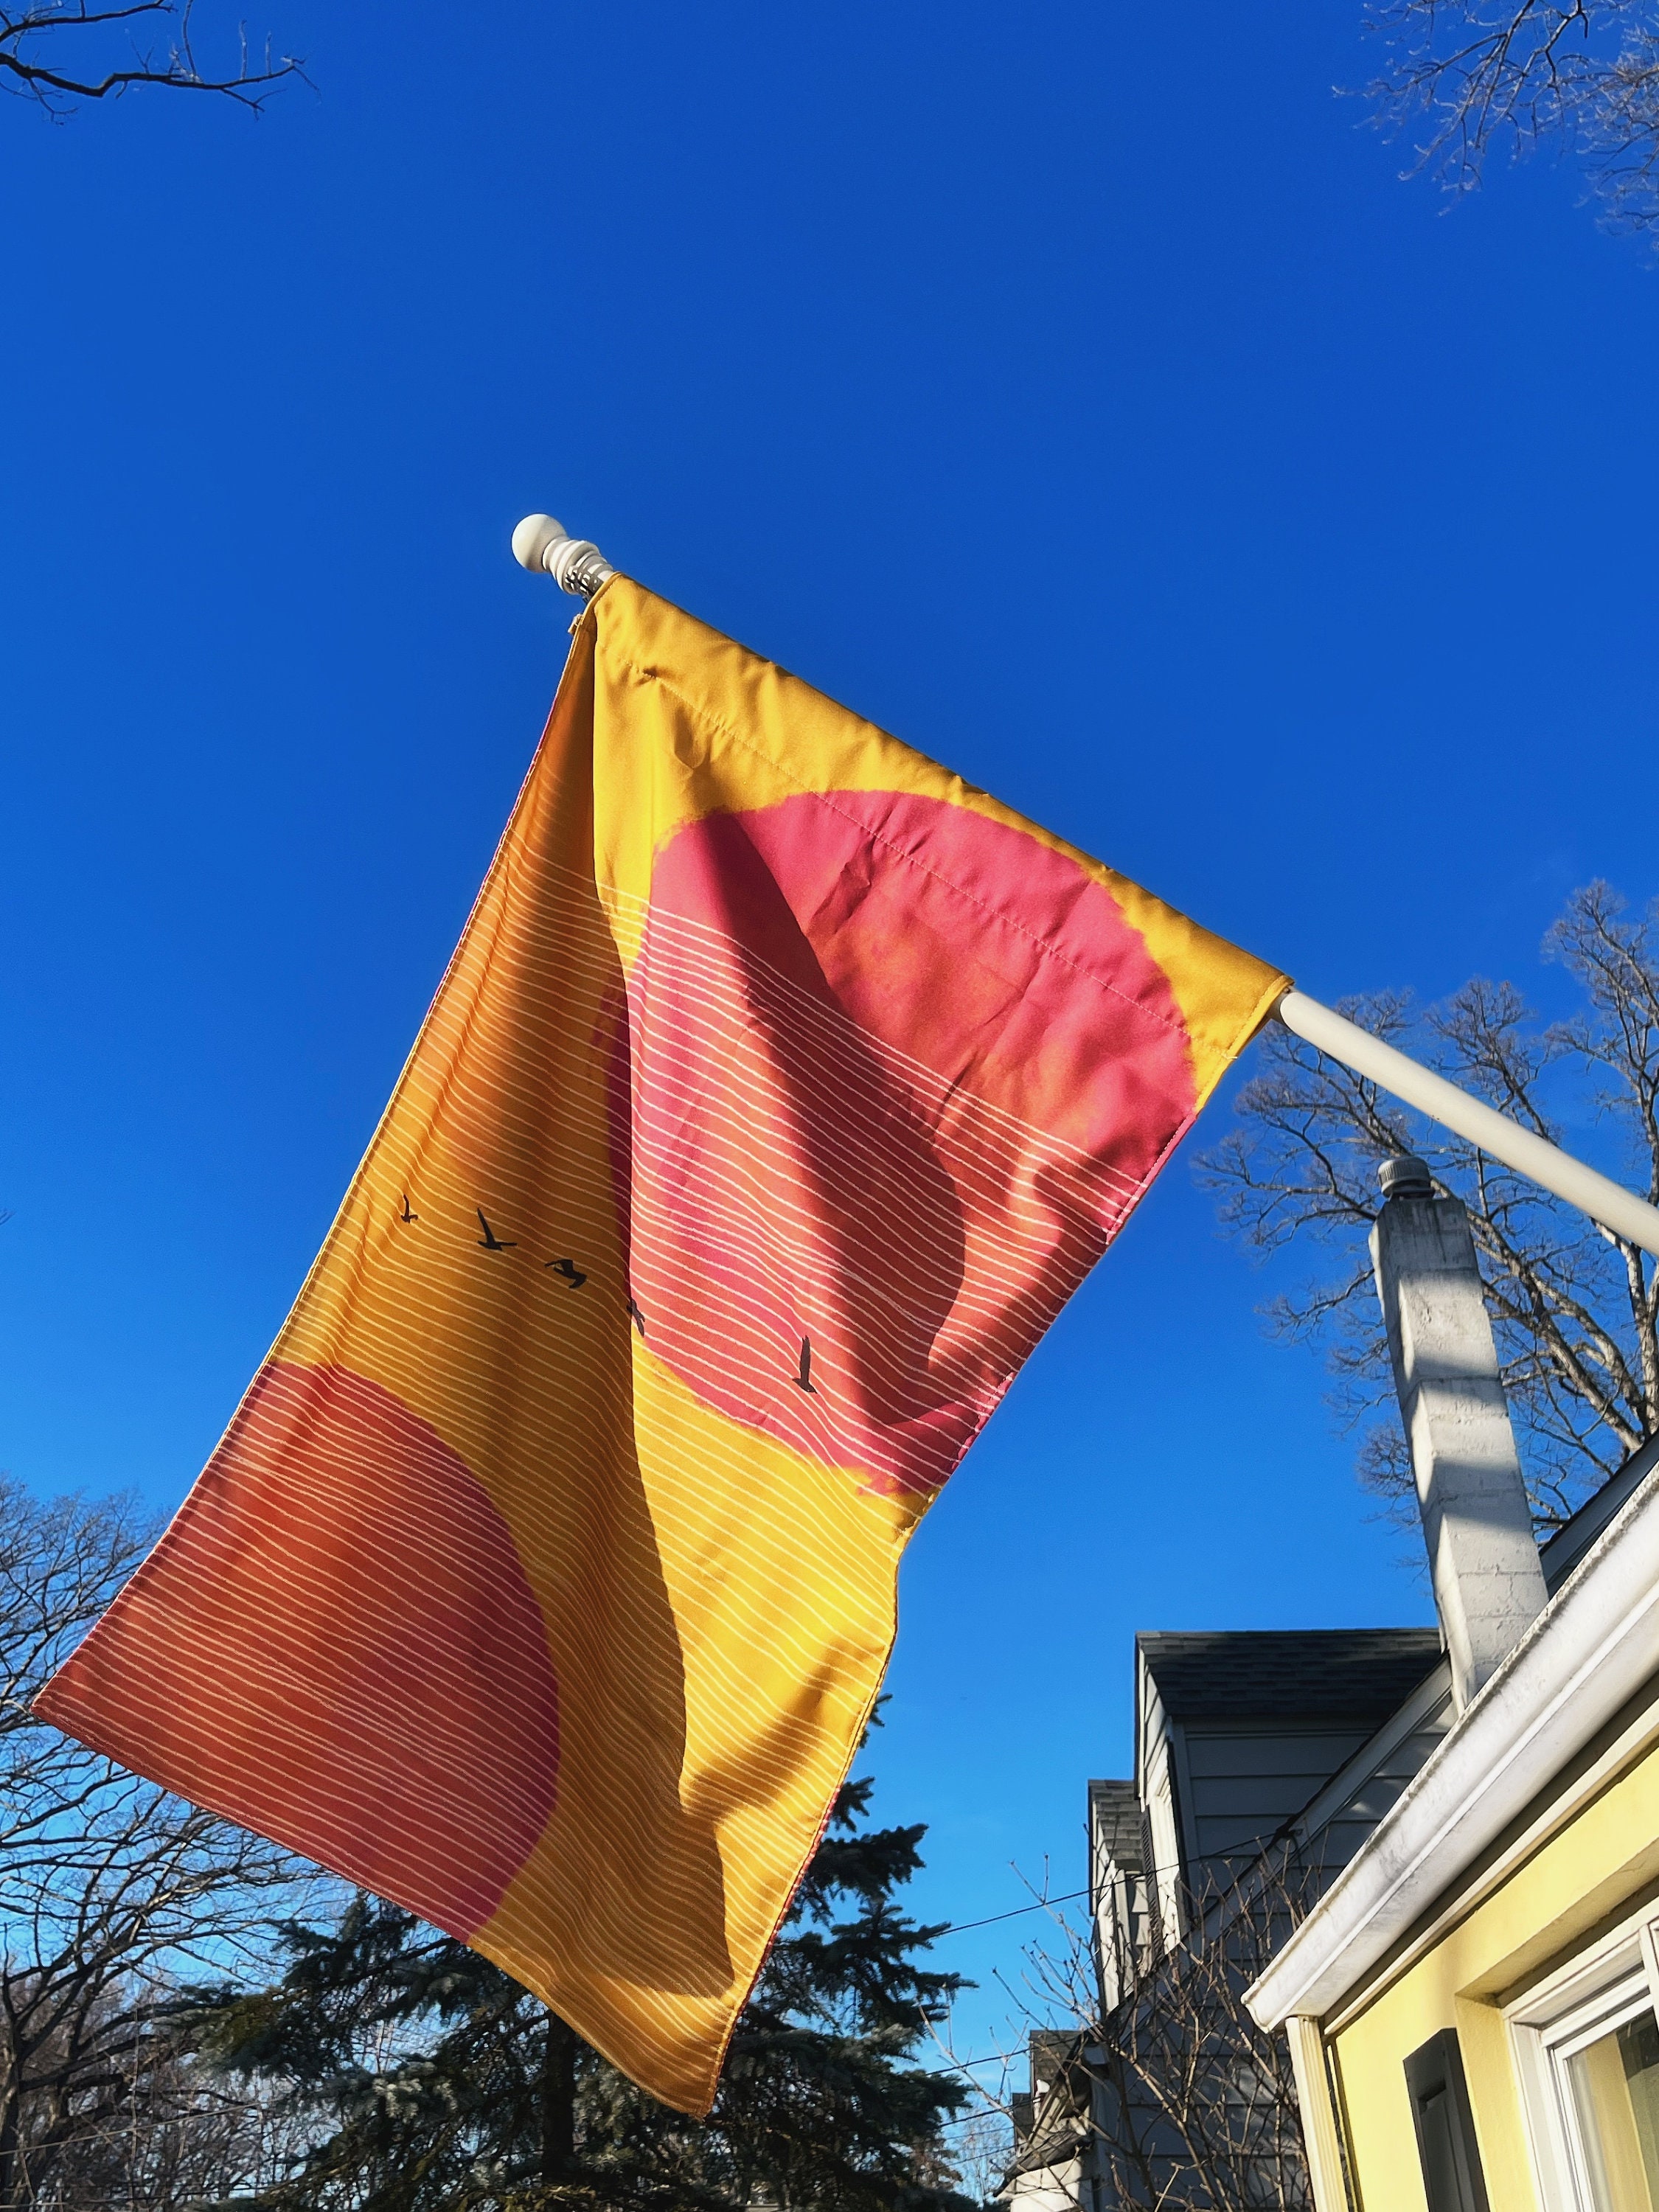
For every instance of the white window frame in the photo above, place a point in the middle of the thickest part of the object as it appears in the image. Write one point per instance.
(1602, 1989)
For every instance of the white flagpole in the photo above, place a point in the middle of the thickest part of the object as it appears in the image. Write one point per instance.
(1603, 1200)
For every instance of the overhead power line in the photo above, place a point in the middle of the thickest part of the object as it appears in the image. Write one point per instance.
(958, 1927)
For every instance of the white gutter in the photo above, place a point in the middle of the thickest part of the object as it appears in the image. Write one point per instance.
(1591, 1648)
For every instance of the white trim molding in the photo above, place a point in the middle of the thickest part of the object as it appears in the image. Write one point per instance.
(1320, 2135)
(1593, 1646)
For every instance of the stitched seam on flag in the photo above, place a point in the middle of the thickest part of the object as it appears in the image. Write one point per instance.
(940, 1091)
(1240, 1038)
(711, 719)
(887, 1050)
(739, 1205)
(1056, 1152)
(1062, 1149)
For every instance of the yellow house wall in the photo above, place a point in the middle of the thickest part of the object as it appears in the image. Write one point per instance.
(1601, 1861)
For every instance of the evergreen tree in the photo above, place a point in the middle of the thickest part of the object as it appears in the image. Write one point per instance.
(421, 2076)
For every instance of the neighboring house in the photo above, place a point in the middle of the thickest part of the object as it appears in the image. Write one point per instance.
(1468, 1817)
(1120, 1890)
(1287, 1743)
(1051, 2127)
(1239, 1735)
(1244, 1740)
(1471, 2006)
(1474, 2002)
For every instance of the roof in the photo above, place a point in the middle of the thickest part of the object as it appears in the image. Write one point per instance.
(1048, 2050)
(1115, 1822)
(1565, 1549)
(1303, 1676)
(1051, 2124)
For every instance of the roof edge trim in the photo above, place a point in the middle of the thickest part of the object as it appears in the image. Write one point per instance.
(1591, 1648)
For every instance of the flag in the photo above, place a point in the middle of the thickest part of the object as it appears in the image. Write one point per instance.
(781, 1089)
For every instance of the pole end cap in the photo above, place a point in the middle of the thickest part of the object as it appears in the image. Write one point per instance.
(1405, 1175)
(532, 538)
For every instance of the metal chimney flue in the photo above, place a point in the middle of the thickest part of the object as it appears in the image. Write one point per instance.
(1488, 1585)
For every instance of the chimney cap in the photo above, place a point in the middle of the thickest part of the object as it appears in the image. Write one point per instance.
(1405, 1175)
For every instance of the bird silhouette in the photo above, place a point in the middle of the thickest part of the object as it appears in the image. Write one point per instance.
(804, 1380)
(572, 1273)
(638, 1318)
(406, 1215)
(489, 1242)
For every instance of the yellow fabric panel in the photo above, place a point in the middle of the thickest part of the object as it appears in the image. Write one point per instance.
(770, 1725)
(699, 1749)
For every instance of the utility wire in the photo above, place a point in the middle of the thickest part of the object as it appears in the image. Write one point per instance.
(957, 1927)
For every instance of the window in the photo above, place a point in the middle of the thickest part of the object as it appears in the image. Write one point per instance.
(1613, 2081)
(1588, 2048)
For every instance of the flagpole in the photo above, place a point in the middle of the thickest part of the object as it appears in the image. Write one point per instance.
(542, 543)
(1603, 1200)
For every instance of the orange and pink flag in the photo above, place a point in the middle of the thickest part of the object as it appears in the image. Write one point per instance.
(781, 1089)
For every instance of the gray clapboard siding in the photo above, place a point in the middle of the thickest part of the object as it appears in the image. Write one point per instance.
(1256, 1751)
(1241, 1733)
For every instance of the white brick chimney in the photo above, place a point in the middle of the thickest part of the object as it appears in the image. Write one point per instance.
(1488, 1585)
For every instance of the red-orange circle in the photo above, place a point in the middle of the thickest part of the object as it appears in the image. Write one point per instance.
(897, 1072)
(335, 1644)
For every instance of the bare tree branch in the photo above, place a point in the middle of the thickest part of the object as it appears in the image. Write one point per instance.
(1160, 2085)
(112, 1893)
(1575, 1309)
(1472, 75)
(40, 61)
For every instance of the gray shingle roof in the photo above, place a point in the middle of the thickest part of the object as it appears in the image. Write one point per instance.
(1565, 1549)
(1115, 1817)
(1302, 1676)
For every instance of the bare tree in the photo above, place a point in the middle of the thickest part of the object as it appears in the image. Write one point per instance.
(57, 53)
(982, 2145)
(1576, 1309)
(1160, 2091)
(156, 2131)
(1472, 75)
(110, 1892)
(1193, 2105)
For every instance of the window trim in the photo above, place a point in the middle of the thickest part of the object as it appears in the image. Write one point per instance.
(1559, 2016)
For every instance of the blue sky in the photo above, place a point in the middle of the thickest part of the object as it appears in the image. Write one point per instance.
(1083, 397)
